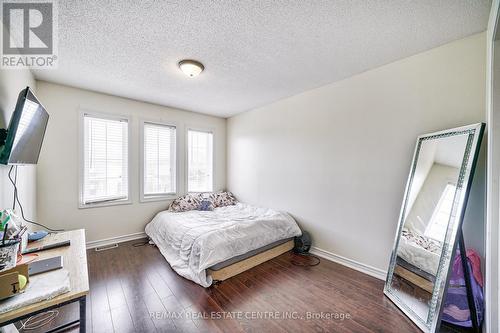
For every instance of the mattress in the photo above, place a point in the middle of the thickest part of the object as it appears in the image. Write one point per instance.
(194, 241)
(249, 254)
(420, 251)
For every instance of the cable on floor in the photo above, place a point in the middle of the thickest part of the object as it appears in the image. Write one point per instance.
(316, 262)
(139, 244)
(148, 241)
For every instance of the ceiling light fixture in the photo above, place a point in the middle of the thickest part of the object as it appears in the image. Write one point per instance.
(191, 68)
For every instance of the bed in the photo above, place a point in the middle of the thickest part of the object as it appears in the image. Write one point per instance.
(204, 246)
(418, 259)
(420, 251)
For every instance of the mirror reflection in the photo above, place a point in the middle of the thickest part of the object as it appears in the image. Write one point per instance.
(426, 220)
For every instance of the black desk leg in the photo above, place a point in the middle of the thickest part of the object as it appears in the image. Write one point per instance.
(83, 311)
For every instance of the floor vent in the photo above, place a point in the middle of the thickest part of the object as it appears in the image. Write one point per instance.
(107, 247)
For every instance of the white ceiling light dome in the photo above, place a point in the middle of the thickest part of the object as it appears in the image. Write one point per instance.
(191, 68)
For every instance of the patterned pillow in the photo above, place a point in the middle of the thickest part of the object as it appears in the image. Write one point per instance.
(185, 203)
(423, 241)
(222, 199)
(206, 205)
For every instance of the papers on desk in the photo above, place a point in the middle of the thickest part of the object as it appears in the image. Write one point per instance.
(40, 288)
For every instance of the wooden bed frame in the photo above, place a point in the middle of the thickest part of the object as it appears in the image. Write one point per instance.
(414, 278)
(241, 266)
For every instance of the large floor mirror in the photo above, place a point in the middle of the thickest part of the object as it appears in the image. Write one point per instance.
(430, 222)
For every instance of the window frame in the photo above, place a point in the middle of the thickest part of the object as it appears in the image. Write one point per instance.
(165, 196)
(81, 158)
(186, 153)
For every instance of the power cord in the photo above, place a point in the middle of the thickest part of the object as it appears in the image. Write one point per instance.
(140, 244)
(39, 320)
(16, 199)
(147, 241)
(315, 263)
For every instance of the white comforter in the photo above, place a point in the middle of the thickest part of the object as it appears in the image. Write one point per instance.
(196, 240)
(418, 256)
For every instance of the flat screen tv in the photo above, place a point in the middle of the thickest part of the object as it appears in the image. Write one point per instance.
(26, 131)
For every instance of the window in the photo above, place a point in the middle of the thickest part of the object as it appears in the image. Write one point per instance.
(438, 225)
(159, 172)
(105, 161)
(200, 161)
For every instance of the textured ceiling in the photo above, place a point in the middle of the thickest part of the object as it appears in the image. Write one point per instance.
(254, 52)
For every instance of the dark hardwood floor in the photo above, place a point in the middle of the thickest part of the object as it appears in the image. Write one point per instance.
(133, 289)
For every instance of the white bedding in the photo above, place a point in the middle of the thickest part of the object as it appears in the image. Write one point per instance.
(418, 256)
(196, 240)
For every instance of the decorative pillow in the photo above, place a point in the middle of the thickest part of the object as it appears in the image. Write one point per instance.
(423, 241)
(185, 203)
(222, 199)
(206, 205)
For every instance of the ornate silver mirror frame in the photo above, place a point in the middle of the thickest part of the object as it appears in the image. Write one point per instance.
(471, 136)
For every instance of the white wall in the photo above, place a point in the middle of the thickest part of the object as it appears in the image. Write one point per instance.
(12, 81)
(58, 181)
(337, 157)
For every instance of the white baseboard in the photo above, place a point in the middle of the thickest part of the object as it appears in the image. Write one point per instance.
(363, 268)
(115, 240)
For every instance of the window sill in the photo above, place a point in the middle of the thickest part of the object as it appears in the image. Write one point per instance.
(165, 197)
(200, 192)
(105, 204)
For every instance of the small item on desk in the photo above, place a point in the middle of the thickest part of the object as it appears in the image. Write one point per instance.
(12, 228)
(10, 223)
(20, 232)
(45, 265)
(5, 231)
(27, 258)
(39, 289)
(37, 235)
(13, 281)
(12, 284)
(23, 281)
(4, 220)
(8, 253)
(47, 247)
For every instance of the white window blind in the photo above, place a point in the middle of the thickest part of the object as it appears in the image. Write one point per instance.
(105, 158)
(159, 160)
(200, 161)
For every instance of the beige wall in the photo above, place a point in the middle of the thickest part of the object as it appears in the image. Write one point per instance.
(58, 182)
(11, 83)
(337, 157)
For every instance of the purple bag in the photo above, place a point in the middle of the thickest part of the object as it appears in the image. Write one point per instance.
(456, 308)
